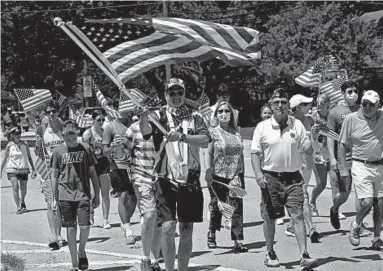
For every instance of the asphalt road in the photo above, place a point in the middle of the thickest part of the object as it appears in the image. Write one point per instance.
(27, 236)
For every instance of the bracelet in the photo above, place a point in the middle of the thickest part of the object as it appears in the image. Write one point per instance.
(183, 138)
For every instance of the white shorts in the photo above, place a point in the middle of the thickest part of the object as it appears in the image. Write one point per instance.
(367, 180)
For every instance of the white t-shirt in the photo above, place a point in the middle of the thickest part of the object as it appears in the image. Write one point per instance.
(281, 149)
(52, 140)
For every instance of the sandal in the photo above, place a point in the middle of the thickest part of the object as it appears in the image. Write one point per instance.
(211, 243)
(62, 242)
(83, 263)
(54, 245)
(239, 248)
(19, 212)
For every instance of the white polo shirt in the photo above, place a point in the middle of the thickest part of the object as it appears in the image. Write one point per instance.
(281, 150)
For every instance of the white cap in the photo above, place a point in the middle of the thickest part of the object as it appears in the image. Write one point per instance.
(371, 96)
(135, 118)
(298, 99)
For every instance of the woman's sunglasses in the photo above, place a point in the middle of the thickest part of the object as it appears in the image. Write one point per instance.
(99, 120)
(223, 110)
(350, 91)
(174, 93)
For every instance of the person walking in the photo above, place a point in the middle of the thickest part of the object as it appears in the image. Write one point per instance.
(15, 161)
(72, 166)
(112, 141)
(362, 131)
(93, 137)
(142, 155)
(335, 120)
(226, 166)
(300, 106)
(280, 141)
(178, 188)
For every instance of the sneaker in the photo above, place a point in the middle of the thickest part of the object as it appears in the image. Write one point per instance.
(146, 265)
(377, 245)
(341, 216)
(160, 257)
(23, 207)
(314, 236)
(271, 259)
(107, 225)
(365, 232)
(334, 218)
(290, 231)
(156, 267)
(280, 221)
(354, 236)
(240, 248)
(308, 263)
(19, 212)
(129, 238)
(314, 210)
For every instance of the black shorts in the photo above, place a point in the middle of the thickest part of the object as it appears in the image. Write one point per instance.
(102, 166)
(120, 181)
(342, 184)
(283, 189)
(72, 210)
(20, 177)
(184, 202)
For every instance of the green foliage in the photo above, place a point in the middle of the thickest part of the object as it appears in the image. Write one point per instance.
(12, 262)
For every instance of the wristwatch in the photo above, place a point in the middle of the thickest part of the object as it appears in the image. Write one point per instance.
(183, 138)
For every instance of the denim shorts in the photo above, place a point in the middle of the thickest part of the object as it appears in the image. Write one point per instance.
(72, 210)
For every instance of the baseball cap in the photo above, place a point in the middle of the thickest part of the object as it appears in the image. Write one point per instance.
(298, 99)
(371, 96)
(279, 93)
(15, 131)
(69, 127)
(175, 82)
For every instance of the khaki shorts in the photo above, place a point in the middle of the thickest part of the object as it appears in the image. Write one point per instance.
(367, 180)
(145, 197)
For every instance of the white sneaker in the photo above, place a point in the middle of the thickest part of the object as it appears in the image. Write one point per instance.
(341, 216)
(107, 225)
(365, 232)
(280, 221)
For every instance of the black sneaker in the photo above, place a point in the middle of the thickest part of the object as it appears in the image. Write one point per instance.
(308, 263)
(160, 257)
(156, 267)
(334, 218)
(146, 265)
(23, 207)
(314, 236)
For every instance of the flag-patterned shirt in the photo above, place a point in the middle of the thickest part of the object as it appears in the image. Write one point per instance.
(142, 154)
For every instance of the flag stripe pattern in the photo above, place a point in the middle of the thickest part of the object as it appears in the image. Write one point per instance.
(112, 114)
(226, 209)
(126, 48)
(324, 130)
(126, 104)
(332, 89)
(237, 192)
(308, 78)
(204, 109)
(32, 98)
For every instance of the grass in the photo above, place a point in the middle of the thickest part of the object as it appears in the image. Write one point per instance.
(247, 132)
(12, 262)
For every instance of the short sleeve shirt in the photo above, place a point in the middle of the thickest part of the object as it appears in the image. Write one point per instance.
(121, 156)
(281, 149)
(321, 156)
(227, 152)
(73, 166)
(335, 120)
(51, 141)
(364, 136)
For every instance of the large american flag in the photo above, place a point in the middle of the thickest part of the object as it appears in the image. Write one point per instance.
(112, 114)
(332, 89)
(311, 77)
(126, 48)
(126, 104)
(204, 109)
(32, 98)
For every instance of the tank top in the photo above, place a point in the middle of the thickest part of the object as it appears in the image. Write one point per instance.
(17, 160)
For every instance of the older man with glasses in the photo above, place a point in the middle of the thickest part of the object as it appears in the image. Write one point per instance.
(280, 141)
(178, 188)
(362, 131)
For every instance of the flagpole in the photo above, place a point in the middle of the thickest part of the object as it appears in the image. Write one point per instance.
(165, 13)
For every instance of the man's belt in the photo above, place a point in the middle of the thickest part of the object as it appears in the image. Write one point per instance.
(378, 162)
(286, 178)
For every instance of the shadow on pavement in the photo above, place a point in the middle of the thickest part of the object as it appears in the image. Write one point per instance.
(255, 245)
(116, 268)
(321, 261)
(372, 257)
(348, 214)
(328, 233)
(7, 186)
(199, 253)
(99, 239)
(252, 224)
(203, 267)
(36, 210)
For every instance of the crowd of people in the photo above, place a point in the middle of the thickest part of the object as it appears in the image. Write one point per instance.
(153, 163)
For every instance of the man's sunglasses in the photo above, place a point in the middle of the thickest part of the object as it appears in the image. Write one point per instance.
(174, 93)
(365, 104)
(305, 104)
(51, 111)
(222, 110)
(350, 91)
(276, 103)
(99, 120)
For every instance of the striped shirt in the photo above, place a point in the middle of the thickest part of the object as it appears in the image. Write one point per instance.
(142, 154)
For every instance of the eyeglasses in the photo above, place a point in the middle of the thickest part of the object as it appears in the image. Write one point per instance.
(365, 104)
(305, 104)
(99, 120)
(174, 93)
(350, 91)
(222, 110)
(51, 111)
(276, 103)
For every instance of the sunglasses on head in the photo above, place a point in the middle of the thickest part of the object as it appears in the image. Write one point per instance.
(223, 110)
(51, 111)
(365, 104)
(174, 93)
(276, 103)
(99, 120)
(350, 91)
